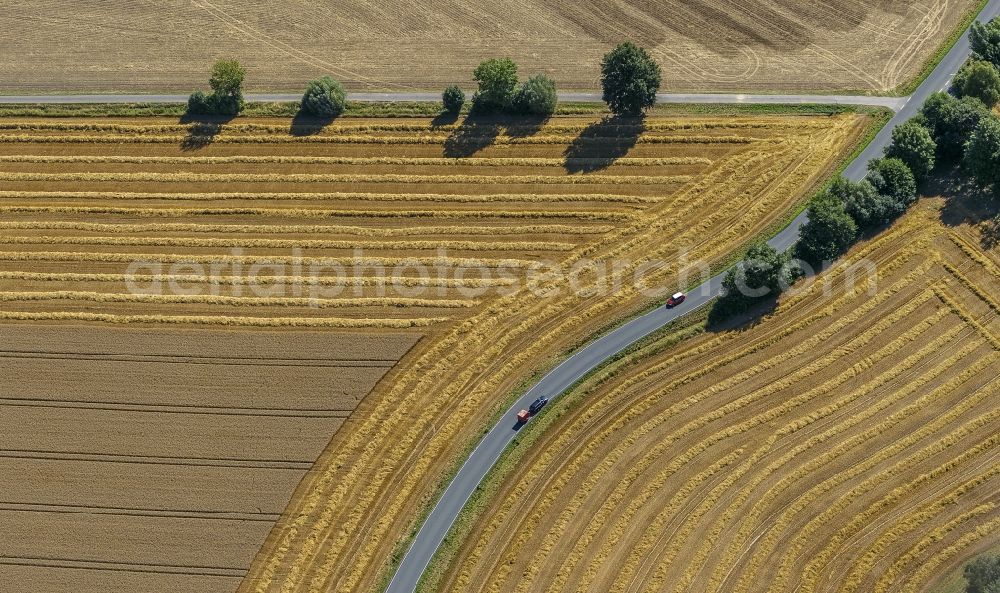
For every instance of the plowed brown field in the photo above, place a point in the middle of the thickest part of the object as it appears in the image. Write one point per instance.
(717, 45)
(158, 460)
(81, 199)
(848, 442)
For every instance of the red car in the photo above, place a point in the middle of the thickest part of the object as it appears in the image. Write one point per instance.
(676, 299)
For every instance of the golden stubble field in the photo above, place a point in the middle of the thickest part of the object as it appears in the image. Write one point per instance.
(221, 216)
(767, 45)
(846, 443)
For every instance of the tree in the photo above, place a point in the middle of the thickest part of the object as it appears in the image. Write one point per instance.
(324, 97)
(891, 177)
(227, 87)
(982, 156)
(226, 97)
(199, 104)
(497, 80)
(982, 575)
(762, 274)
(829, 231)
(981, 80)
(864, 203)
(630, 79)
(912, 144)
(985, 39)
(537, 96)
(951, 121)
(453, 98)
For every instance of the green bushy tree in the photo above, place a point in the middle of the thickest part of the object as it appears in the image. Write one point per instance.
(864, 203)
(537, 96)
(981, 80)
(951, 121)
(912, 144)
(199, 104)
(453, 98)
(497, 80)
(227, 87)
(829, 231)
(891, 177)
(982, 156)
(324, 97)
(630, 79)
(226, 97)
(982, 575)
(762, 274)
(985, 39)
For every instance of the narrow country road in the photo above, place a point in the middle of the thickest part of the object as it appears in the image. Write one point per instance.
(894, 103)
(486, 453)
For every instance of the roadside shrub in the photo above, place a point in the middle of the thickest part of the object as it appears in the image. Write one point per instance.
(981, 80)
(912, 144)
(324, 97)
(951, 121)
(982, 156)
(891, 177)
(537, 96)
(829, 231)
(762, 274)
(497, 80)
(226, 97)
(985, 39)
(198, 104)
(453, 98)
(630, 79)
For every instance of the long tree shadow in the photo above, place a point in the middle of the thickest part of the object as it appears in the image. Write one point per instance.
(966, 203)
(475, 133)
(526, 125)
(203, 129)
(602, 143)
(304, 124)
(445, 118)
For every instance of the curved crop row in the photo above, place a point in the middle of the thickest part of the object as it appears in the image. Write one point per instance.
(253, 243)
(348, 160)
(346, 178)
(331, 196)
(341, 322)
(318, 212)
(235, 301)
(406, 281)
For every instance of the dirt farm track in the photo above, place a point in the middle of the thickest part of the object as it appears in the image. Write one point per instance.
(711, 45)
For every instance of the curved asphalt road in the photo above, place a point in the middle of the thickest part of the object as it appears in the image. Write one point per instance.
(441, 518)
(894, 103)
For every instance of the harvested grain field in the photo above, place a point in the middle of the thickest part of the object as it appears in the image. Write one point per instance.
(767, 45)
(847, 442)
(415, 228)
(159, 460)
